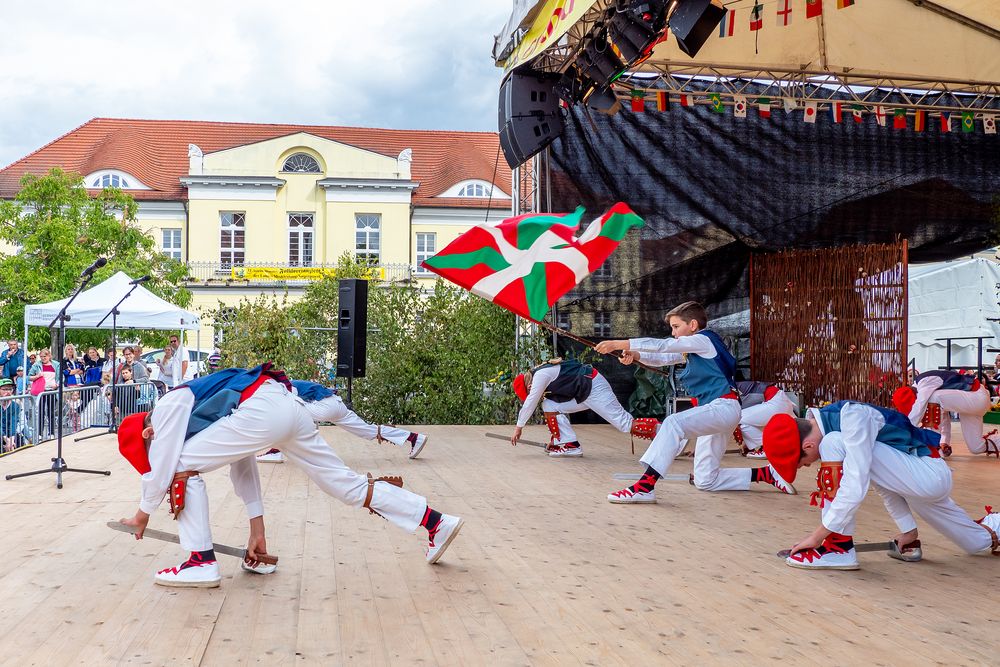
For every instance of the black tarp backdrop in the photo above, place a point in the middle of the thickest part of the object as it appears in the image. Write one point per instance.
(714, 188)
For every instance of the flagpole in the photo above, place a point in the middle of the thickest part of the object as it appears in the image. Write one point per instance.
(591, 344)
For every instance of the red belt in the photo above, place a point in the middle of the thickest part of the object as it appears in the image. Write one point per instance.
(770, 392)
(733, 395)
(249, 391)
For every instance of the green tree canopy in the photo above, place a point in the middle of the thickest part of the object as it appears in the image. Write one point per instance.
(57, 230)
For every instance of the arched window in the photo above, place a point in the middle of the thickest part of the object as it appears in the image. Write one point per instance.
(111, 181)
(111, 178)
(302, 163)
(475, 190)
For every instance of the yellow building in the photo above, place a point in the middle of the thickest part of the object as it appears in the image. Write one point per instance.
(253, 207)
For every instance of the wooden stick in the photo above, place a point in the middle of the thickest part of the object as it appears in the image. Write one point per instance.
(591, 344)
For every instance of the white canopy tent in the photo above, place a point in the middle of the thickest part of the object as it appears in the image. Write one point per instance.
(958, 299)
(142, 310)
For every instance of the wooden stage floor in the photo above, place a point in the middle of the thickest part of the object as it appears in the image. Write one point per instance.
(544, 572)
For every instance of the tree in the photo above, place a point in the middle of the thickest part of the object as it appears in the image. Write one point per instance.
(58, 230)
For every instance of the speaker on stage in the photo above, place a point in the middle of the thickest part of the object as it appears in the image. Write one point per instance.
(352, 328)
(694, 21)
(528, 114)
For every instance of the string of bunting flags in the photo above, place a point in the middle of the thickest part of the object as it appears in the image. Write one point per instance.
(840, 112)
(784, 12)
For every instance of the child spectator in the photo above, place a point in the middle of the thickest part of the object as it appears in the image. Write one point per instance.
(10, 416)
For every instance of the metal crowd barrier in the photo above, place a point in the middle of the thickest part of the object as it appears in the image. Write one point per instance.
(27, 420)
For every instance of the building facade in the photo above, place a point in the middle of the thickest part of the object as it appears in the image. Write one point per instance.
(254, 208)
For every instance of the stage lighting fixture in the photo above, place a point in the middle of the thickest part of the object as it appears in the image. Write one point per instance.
(694, 21)
(636, 29)
(529, 115)
(598, 61)
(604, 101)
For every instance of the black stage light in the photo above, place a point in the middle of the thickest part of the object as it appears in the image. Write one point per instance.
(598, 61)
(529, 115)
(694, 21)
(637, 28)
(604, 100)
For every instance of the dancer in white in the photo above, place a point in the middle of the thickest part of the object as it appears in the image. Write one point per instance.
(935, 394)
(325, 405)
(225, 418)
(859, 444)
(759, 401)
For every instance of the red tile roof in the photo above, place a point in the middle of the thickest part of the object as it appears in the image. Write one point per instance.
(156, 152)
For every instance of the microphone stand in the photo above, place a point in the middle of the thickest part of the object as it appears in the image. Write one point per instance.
(58, 463)
(114, 313)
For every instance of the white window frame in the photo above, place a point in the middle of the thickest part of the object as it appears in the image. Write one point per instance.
(173, 249)
(284, 164)
(485, 188)
(602, 324)
(362, 225)
(232, 249)
(113, 178)
(303, 226)
(425, 252)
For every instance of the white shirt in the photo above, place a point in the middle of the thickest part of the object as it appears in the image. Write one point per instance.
(670, 351)
(539, 382)
(177, 364)
(926, 387)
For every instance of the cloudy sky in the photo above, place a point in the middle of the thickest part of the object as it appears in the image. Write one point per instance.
(395, 63)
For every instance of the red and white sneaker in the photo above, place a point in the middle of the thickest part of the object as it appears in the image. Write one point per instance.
(442, 536)
(756, 454)
(991, 522)
(768, 475)
(272, 456)
(630, 495)
(191, 573)
(836, 553)
(418, 445)
(570, 449)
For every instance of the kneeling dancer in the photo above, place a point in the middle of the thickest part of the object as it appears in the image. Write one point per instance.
(935, 394)
(224, 418)
(325, 405)
(859, 444)
(759, 401)
(565, 387)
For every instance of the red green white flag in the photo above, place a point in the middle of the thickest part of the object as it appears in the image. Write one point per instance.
(525, 264)
(813, 8)
(638, 100)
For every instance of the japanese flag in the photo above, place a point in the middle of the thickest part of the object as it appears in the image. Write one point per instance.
(740, 106)
(809, 115)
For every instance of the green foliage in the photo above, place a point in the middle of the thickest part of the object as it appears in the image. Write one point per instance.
(438, 356)
(59, 230)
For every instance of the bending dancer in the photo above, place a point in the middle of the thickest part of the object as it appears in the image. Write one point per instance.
(224, 418)
(858, 444)
(759, 401)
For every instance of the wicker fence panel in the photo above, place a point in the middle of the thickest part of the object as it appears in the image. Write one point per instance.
(831, 324)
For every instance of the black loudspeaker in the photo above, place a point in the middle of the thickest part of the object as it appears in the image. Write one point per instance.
(694, 21)
(529, 117)
(352, 328)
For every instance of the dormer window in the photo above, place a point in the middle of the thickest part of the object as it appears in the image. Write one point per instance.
(474, 189)
(111, 181)
(110, 178)
(301, 163)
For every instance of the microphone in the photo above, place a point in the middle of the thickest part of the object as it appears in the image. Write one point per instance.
(139, 281)
(89, 271)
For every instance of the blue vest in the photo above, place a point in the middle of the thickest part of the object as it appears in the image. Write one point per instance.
(217, 395)
(897, 433)
(952, 380)
(708, 379)
(311, 391)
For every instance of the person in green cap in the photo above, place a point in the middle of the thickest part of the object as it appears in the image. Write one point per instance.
(10, 416)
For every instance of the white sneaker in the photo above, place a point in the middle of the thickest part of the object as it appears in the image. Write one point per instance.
(992, 522)
(446, 531)
(195, 575)
(827, 557)
(271, 457)
(418, 446)
(627, 496)
(756, 454)
(780, 484)
(563, 452)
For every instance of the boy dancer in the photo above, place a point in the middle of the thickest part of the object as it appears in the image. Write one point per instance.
(326, 406)
(935, 394)
(859, 444)
(223, 419)
(564, 387)
(759, 401)
(709, 379)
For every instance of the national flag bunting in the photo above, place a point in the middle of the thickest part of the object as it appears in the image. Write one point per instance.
(880, 115)
(837, 112)
(809, 115)
(662, 101)
(716, 101)
(686, 100)
(919, 120)
(784, 13)
(740, 106)
(844, 3)
(756, 17)
(638, 100)
(858, 112)
(525, 264)
(813, 8)
(764, 107)
(791, 104)
(968, 122)
(990, 124)
(945, 121)
(727, 26)
(899, 119)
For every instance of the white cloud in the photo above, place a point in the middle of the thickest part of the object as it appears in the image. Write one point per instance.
(415, 64)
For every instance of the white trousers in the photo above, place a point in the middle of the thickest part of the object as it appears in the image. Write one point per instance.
(333, 409)
(970, 406)
(755, 418)
(716, 421)
(918, 484)
(602, 400)
(272, 417)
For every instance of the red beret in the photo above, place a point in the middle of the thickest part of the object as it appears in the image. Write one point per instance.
(131, 444)
(782, 446)
(904, 398)
(520, 387)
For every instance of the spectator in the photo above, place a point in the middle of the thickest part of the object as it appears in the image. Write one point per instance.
(20, 382)
(72, 368)
(181, 362)
(92, 366)
(10, 359)
(139, 372)
(110, 360)
(10, 416)
(72, 407)
(214, 361)
(42, 375)
(166, 365)
(126, 393)
(138, 359)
